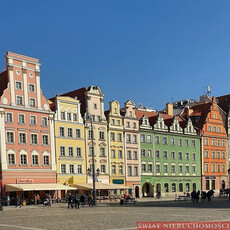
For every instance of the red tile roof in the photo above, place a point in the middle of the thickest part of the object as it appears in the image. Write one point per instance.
(140, 114)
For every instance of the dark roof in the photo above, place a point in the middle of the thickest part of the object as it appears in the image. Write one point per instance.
(224, 102)
(3, 81)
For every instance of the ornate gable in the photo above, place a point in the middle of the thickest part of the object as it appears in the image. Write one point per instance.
(144, 122)
(160, 124)
(175, 127)
(190, 128)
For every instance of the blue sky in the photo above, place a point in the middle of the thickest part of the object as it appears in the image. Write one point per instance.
(151, 51)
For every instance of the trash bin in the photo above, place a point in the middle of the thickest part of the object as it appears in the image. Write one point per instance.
(1, 207)
(24, 203)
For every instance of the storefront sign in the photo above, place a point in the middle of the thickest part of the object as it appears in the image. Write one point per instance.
(118, 181)
(25, 181)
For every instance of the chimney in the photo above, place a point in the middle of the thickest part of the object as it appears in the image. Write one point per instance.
(169, 109)
(188, 110)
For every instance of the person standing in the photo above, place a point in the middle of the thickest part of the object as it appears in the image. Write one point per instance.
(70, 200)
(76, 201)
(8, 200)
(18, 202)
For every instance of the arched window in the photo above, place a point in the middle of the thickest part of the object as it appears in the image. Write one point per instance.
(173, 187)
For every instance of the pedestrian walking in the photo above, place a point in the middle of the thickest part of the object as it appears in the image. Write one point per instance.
(18, 202)
(76, 201)
(70, 200)
(90, 201)
(8, 200)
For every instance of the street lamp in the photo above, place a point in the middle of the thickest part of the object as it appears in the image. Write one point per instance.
(93, 165)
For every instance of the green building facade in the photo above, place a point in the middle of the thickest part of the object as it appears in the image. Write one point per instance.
(170, 156)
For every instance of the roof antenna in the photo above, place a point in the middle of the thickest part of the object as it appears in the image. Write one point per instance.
(208, 90)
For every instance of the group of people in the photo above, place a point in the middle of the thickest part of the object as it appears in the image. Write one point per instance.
(75, 201)
(196, 195)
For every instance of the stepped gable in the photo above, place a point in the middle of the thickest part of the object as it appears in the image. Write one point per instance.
(224, 102)
(3, 82)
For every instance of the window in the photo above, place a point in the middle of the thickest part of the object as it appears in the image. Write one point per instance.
(33, 120)
(206, 154)
(148, 138)
(219, 129)
(180, 187)
(180, 168)
(173, 187)
(113, 154)
(21, 119)
(218, 142)
(207, 184)
(165, 154)
(135, 155)
(164, 140)
(206, 168)
(62, 150)
(90, 134)
(193, 156)
(71, 169)
(209, 128)
(165, 168)
(70, 150)
(119, 154)
(213, 168)
(157, 140)
(214, 116)
(143, 168)
(134, 125)
(10, 137)
(79, 169)
(63, 170)
(193, 143)
(95, 106)
(172, 141)
(31, 88)
(112, 136)
(119, 138)
(19, 100)
(223, 155)
(143, 152)
(193, 169)
(102, 152)
(157, 154)
(61, 131)
(223, 168)
(23, 159)
(186, 143)
(120, 169)
(173, 155)
(129, 171)
(98, 118)
(102, 168)
(102, 135)
(70, 132)
(22, 138)
(74, 116)
(63, 115)
(186, 169)
(142, 138)
(113, 169)
(186, 156)
(34, 159)
(150, 168)
(91, 151)
(218, 168)
(180, 142)
(173, 169)
(46, 160)
(213, 154)
(206, 141)
(149, 153)
(214, 129)
(69, 116)
(11, 159)
(135, 171)
(34, 139)
(129, 157)
(134, 139)
(213, 142)
(9, 117)
(166, 187)
(218, 155)
(78, 152)
(44, 121)
(78, 133)
(180, 155)
(112, 122)
(128, 124)
(18, 85)
(128, 138)
(187, 187)
(32, 102)
(157, 168)
(118, 122)
(223, 143)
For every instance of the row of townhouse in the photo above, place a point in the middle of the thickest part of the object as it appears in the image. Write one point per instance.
(137, 150)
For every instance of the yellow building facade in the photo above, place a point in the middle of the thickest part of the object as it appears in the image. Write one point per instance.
(116, 144)
(69, 140)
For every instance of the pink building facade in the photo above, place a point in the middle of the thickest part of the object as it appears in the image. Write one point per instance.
(27, 149)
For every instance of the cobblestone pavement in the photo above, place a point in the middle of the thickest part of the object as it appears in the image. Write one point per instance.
(111, 216)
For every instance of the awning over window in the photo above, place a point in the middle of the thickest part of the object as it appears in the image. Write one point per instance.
(37, 187)
(100, 186)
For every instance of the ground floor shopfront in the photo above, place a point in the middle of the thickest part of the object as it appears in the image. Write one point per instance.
(214, 182)
(134, 189)
(169, 186)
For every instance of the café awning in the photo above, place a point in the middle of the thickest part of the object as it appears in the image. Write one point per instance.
(37, 187)
(100, 186)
